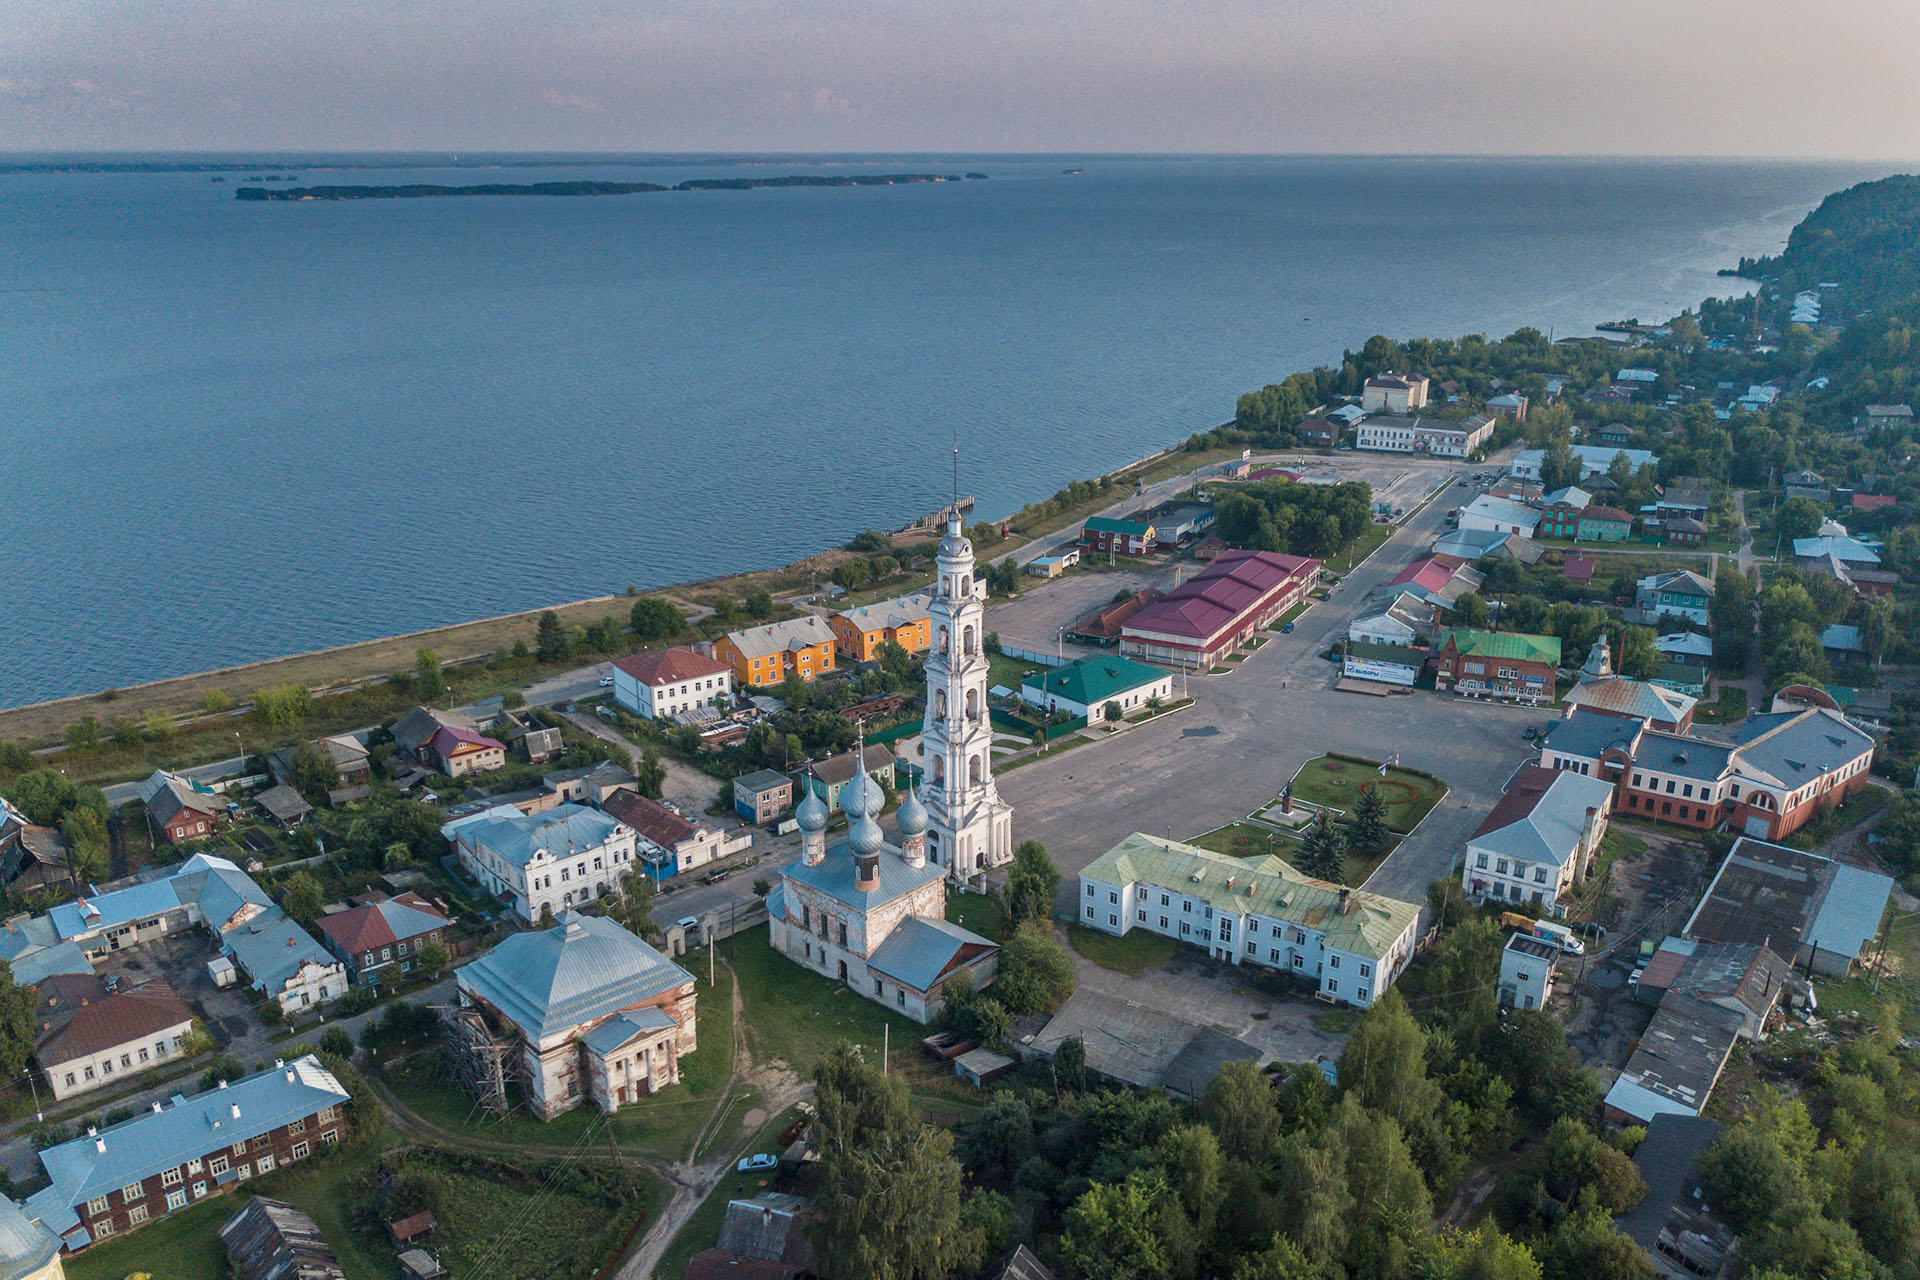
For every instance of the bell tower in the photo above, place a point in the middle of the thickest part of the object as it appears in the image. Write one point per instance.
(969, 828)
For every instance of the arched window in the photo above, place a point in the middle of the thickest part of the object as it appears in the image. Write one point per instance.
(973, 770)
(939, 770)
(973, 704)
(967, 640)
(940, 704)
(966, 585)
(943, 640)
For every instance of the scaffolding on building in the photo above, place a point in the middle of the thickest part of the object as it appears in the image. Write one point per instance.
(479, 1059)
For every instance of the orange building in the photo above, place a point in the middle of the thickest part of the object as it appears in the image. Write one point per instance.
(762, 656)
(906, 621)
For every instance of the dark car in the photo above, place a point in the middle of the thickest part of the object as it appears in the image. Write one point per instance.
(1288, 628)
(715, 877)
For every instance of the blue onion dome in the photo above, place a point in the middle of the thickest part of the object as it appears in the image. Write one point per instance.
(860, 795)
(912, 815)
(812, 814)
(866, 838)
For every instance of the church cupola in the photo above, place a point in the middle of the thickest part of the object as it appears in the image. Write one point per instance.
(866, 841)
(812, 817)
(912, 817)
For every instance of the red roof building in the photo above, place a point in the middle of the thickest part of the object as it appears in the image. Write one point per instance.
(668, 681)
(1872, 501)
(377, 935)
(668, 841)
(1577, 569)
(1199, 623)
(458, 751)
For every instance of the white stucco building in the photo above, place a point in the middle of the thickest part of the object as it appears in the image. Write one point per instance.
(668, 681)
(565, 857)
(1394, 393)
(969, 827)
(1348, 944)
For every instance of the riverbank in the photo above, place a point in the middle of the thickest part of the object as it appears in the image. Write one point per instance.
(343, 667)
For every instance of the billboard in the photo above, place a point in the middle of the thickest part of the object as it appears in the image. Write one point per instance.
(1383, 672)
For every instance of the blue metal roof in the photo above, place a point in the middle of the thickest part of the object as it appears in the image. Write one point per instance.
(1849, 914)
(89, 916)
(581, 970)
(273, 949)
(835, 877)
(614, 1032)
(517, 837)
(918, 952)
(188, 1127)
(1588, 733)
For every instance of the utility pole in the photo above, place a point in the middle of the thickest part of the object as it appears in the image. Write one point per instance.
(886, 1047)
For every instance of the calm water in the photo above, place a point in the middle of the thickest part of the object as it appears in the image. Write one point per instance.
(229, 431)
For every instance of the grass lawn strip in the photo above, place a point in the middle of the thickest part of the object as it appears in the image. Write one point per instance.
(1132, 955)
(1337, 783)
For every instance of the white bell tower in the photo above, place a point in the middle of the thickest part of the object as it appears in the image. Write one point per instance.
(969, 828)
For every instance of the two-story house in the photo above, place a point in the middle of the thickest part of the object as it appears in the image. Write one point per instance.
(565, 857)
(906, 621)
(1500, 664)
(766, 655)
(383, 938)
(1539, 840)
(666, 682)
(1348, 944)
(118, 1178)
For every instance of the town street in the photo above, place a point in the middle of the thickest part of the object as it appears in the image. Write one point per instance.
(1251, 728)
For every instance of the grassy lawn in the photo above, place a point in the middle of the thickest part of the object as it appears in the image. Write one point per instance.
(186, 1245)
(703, 1228)
(1249, 840)
(1337, 783)
(978, 912)
(1008, 671)
(1897, 949)
(1729, 709)
(1132, 955)
(1365, 545)
(798, 1016)
(1831, 822)
(663, 1124)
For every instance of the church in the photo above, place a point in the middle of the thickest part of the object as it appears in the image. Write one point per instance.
(873, 914)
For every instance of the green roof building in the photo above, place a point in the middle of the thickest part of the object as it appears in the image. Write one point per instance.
(1084, 687)
(1350, 943)
(1126, 537)
(1497, 664)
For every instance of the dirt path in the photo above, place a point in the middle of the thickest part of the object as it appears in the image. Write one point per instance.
(694, 1179)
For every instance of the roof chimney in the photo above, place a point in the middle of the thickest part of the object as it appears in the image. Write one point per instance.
(223, 1084)
(157, 1108)
(1346, 900)
(235, 1108)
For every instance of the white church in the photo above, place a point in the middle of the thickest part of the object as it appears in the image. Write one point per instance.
(873, 914)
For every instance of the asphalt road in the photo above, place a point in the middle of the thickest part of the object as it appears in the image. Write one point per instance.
(1249, 730)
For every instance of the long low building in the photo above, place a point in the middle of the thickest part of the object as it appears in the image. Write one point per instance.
(1200, 622)
(159, 1162)
(1818, 913)
(1093, 684)
(1593, 459)
(1348, 943)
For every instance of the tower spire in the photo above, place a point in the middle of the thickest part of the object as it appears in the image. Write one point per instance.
(955, 508)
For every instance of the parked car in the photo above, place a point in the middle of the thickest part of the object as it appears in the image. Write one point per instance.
(716, 876)
(606, 682)
(689, 923)
(750, 1164)
(1287, 629)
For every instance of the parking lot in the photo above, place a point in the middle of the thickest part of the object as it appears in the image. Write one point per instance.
(1034, 619)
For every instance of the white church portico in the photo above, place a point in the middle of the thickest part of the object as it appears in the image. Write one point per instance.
(969, 828)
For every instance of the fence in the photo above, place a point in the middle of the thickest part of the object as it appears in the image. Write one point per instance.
(1033, 655)
(1025, 728)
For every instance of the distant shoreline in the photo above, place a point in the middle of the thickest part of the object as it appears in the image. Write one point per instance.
(428, 190)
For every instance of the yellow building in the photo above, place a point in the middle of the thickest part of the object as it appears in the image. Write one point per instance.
(905, 620)
(762, 656)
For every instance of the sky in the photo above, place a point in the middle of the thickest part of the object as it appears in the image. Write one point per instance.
(1653, 77)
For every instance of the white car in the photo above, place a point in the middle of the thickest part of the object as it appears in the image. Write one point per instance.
(762, 1161)
(606, 682)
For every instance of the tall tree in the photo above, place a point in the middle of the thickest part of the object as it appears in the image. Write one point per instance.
(16, 1023)
(889, 1204)
(551, 643)
(1110, 1234)
(1731, 612)
(303, 898)
(1368, 828)
(655, 619)
(1636, 657)
(1032, 882)
(1240, 1107)
(1323, 852)
(428, 680)
(1035, 972)
(1383, 1066)
(312, 771)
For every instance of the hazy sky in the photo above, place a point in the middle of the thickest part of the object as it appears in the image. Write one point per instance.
(1720, 77)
